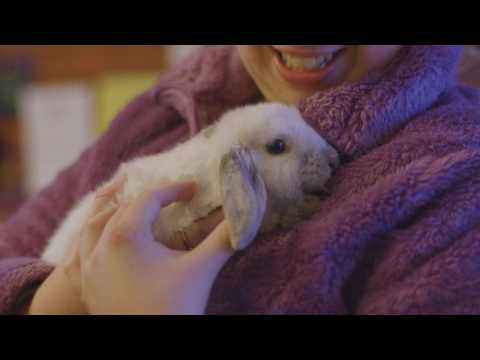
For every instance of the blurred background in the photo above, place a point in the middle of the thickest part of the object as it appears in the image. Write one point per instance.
(55, 100)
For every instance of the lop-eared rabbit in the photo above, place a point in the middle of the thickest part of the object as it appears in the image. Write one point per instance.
(263, 164)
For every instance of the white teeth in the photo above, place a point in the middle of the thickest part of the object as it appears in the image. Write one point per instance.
(302, 63)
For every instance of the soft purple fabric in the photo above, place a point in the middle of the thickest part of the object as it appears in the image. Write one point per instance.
(400, 233)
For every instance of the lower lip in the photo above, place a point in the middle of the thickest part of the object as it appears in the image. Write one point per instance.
(305, 77)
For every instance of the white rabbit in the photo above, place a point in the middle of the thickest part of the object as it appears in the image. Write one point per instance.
(260, 163)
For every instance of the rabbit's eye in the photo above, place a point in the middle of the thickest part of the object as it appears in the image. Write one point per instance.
(277, 147)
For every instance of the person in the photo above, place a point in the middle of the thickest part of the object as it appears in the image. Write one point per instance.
(398, 233)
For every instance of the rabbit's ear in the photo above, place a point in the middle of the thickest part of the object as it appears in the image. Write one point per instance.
(244, 196)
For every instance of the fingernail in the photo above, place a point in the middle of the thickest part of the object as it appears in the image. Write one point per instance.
(186, 191)
(117, 185)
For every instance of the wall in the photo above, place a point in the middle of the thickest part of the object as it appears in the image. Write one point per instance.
(96, 67)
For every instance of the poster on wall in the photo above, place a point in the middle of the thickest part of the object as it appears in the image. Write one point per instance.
(57, 126)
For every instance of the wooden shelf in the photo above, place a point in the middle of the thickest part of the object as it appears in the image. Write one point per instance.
(85, 62)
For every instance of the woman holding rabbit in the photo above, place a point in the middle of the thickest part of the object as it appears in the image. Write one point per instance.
(397, 234)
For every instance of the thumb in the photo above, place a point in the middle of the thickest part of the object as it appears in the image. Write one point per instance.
(144, 211)
(213, 253)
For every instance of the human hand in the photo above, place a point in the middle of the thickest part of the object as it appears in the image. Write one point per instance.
(123, 270)
(61, 292)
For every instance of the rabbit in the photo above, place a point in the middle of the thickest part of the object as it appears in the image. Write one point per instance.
(262, 164)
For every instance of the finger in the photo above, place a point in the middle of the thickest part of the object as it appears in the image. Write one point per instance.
(133, 222)
(72, 258)
(106, 195)
(144, 211)
(94, 230)
(117, 183)
(103, 208)
(72, 265)
(212, 254)
(190, 237)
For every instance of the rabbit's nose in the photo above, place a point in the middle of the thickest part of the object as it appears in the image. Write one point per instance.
(315, 171)
(333, 157)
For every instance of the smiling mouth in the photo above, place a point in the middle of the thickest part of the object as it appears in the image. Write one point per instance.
(306, 64)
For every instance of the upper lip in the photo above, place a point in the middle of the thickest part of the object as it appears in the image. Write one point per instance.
(305, 52)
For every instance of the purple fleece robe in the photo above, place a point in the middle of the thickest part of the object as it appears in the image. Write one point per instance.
(399, 234)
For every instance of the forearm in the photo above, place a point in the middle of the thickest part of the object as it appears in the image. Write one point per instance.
(56, 296)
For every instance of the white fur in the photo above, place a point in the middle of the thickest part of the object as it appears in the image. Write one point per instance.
(199, 160)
